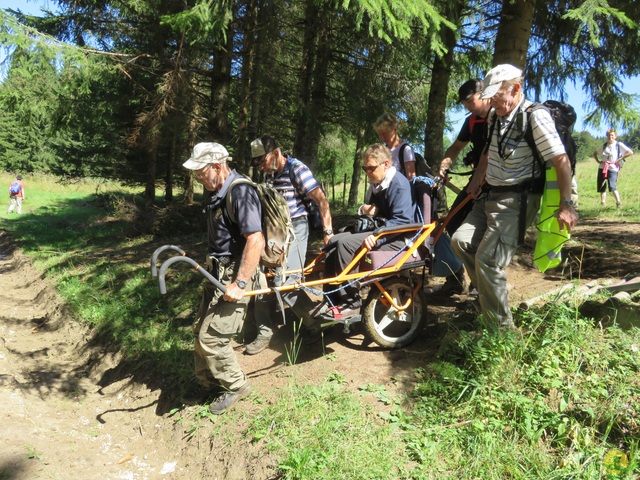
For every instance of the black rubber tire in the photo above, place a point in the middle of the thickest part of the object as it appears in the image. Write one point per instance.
(381, 322)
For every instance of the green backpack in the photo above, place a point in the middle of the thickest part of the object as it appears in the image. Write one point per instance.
(276, 222)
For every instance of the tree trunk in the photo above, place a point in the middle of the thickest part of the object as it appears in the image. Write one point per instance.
(259, 98)
(512, 39)
(309, 42)
(440, 77)
(168, 179)
(319, 92)
(357, 167)
(191, 134)
(220, 90)
(251, 24)
(150, 187)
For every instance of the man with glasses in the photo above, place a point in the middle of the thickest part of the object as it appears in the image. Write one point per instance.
(295, 181)
(489, 236)
(233, 257)
(388, 198)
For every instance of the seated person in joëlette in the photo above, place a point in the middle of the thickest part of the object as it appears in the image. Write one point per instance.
(389, 198)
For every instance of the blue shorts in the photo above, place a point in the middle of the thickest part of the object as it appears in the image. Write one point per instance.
(611, 180)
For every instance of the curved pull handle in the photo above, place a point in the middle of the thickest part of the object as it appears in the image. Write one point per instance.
(192, 262)
(157, 252)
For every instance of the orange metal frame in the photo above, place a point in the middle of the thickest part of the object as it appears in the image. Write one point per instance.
(348, 274)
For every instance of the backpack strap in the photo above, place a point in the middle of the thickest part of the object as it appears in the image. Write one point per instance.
(491, 119)
(293, 178)
(401, 157)
(231, 215)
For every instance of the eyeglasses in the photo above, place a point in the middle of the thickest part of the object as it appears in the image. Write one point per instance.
(200, 175)
(257, 161)
(503, 92)
(370, 168)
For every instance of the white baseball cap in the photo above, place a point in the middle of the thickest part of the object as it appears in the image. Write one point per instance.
(206, 153)
(496, 76)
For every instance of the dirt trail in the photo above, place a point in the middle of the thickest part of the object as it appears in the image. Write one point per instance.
(57, 423)
(62, 417)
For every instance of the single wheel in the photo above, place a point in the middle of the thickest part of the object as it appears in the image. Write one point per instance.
(385, 324)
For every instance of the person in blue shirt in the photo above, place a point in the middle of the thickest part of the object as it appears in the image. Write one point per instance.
(389, 199)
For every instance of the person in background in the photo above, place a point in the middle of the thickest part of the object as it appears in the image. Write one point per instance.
(474, 130)
(386, 126)
(294, 181)
(489, 236)
(610, 158)
(233, 258)
(16, 195)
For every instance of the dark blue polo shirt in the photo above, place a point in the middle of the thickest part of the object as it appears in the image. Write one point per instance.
(224, 237)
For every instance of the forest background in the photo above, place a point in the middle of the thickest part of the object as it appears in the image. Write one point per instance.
(123, 90)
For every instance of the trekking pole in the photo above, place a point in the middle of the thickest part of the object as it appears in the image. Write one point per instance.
(157, 252)
(192, 262)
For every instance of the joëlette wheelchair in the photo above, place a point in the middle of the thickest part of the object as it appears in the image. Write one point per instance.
(393, 311)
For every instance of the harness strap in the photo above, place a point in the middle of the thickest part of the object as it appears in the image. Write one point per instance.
(522, 216)
(279, 297)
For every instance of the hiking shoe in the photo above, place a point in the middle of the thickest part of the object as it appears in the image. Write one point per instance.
(338, 313)
(227, 399)
(258, 345)
(619, 205)
(455, 284)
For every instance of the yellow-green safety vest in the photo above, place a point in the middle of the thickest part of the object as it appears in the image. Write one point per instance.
(548, 251)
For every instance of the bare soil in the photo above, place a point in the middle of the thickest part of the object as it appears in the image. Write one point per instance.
(65, 416)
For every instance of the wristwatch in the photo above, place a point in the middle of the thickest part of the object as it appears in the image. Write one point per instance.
(328, 231)
(569, 203)
(241, 283)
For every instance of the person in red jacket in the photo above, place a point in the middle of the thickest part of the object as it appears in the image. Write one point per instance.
(16, 194)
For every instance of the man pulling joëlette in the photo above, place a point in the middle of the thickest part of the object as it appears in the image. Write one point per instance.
(488, 238)
(234, 254)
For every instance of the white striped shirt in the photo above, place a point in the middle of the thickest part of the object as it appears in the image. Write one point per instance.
(511, 161)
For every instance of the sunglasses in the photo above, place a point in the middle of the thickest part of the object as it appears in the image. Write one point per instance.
(370, 169)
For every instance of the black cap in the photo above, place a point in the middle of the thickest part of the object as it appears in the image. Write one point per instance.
(468, 88)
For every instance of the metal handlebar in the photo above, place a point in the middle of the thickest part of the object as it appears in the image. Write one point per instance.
(157, 252)
(192, 262)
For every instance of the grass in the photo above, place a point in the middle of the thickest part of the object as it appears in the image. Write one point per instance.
(548, 404)
(589, 198)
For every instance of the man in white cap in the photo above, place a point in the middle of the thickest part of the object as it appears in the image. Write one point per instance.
(490, 234)
(234, 255)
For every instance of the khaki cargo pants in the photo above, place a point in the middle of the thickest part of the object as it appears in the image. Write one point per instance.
(216, 323)
(486, 242)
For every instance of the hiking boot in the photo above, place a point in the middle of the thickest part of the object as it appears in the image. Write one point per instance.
(227, 399)
(455, 284)
(258, 345)
(339, 313)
